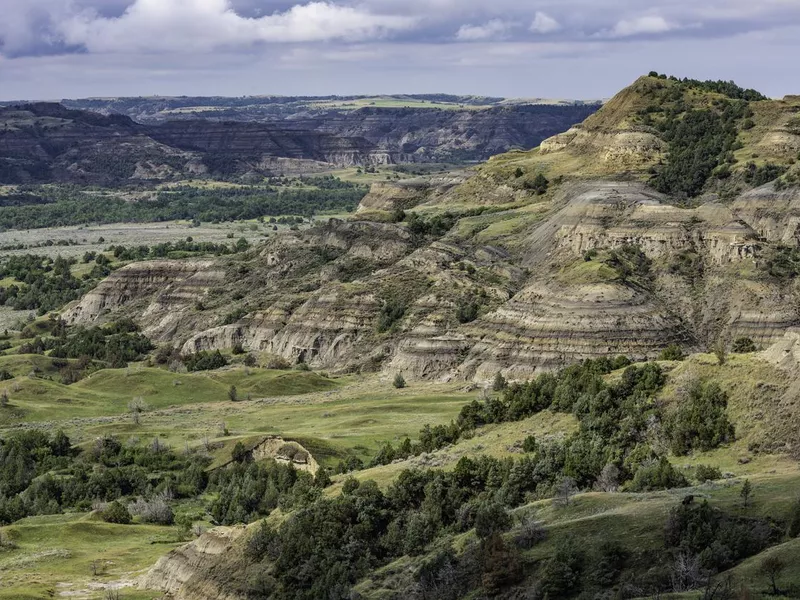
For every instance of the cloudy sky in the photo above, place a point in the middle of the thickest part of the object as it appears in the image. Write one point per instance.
(52, 49)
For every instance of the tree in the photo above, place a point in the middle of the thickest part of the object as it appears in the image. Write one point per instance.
(499, 383)
(399, 382)
(720, 352)
(491, 518)
(322, 479)
(240, 454)
(565, 490)
(3, 398)
(501, 566)
(772, 567)
(137, 406)
(746, 493)
(608, 480)
(233, 395)
(250, 361)
(794, 520)
(530, 533)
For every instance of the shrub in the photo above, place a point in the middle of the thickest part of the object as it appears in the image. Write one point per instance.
(116, 513)
(721, 352)
(277, 363)
(672, 352)
(391, 312)
(529, 444)
(399, 381)
(156, 510)
(659, 476)
(743, 345)
(233, 395)
(539, 184)
(240, 454)
(467, 310)
(705, 473)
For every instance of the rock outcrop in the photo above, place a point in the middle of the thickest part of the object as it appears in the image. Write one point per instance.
(163, 293)
(188, 572)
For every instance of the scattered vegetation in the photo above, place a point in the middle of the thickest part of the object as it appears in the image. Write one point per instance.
(43, 284)
(73, 206)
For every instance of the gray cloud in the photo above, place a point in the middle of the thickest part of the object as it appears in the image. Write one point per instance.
(379, 39)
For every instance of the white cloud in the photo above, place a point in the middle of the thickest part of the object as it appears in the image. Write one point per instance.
(652, 24)
(195, 25)
(494, 29)
(544, 23)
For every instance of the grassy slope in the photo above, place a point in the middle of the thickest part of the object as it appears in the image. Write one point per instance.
(54, 555)
(596, 155)
(359, 414)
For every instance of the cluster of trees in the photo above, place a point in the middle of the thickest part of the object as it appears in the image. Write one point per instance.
(330, 543)
(726, 88)
(700, 421)
(74, 207)
(700, 140)
(116, 343)
(783, 262)
(759, 175)
(205, 361)
(179, 249)
(714, 539)
(247, 490)
(44, 283)
(107, 471)
(615, 432)
(435, 226)
(630, 263)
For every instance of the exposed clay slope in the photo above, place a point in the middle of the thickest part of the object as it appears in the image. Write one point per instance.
(202, 568)
(522, 282)
(162, 293)
(318, 295)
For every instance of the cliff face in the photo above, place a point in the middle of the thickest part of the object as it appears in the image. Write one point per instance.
(47, 142)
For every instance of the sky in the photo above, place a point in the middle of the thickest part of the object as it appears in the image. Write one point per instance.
(578, 49)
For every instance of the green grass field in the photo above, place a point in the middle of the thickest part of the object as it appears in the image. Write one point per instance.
(54, 556)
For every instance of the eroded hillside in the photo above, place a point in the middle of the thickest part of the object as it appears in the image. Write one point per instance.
(536, 260)
(49, 143)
